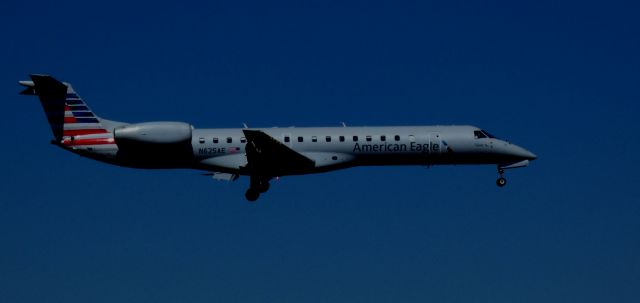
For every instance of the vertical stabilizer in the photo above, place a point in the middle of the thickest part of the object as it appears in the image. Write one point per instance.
(67, 113)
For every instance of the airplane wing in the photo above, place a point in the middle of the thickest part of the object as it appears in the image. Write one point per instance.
(222, 176)
(269, 156)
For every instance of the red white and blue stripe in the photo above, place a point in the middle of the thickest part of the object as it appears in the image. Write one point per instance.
(81, 126)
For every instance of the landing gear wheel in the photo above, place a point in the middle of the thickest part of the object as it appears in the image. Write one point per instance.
(252, 195)
(501, 182)
(264, 187)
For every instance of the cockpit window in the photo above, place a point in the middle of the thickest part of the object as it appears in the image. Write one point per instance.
(488, 134)
(479, 134)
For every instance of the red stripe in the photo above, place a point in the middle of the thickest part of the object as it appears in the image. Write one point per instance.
(69, 119)
(98, 141)
(67, 108)
(78, 132)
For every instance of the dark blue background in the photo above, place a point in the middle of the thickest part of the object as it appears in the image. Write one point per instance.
(557, 77)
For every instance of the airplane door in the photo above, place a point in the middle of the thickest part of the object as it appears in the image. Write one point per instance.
(435, 144)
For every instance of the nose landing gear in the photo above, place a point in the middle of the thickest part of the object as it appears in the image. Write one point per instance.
(502, 181)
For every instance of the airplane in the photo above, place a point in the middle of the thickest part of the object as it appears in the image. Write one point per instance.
(262, 153)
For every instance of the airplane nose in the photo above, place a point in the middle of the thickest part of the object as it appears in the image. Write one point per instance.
(530, 155)
(522, 153)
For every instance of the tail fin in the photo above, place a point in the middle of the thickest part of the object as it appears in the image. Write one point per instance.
(67, 114)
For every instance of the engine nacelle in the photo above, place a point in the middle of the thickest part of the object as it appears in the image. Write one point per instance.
(154, 144)
(154, 133)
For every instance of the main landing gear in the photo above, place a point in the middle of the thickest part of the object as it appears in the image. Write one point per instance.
(257, 186)
(501, 182)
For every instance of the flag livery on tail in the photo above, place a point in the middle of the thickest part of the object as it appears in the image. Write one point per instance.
(72, 122)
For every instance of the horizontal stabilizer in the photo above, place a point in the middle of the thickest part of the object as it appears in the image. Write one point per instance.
(27, 83)
(30, 91)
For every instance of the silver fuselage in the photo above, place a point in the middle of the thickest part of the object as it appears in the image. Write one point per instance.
(261, 153)
(331, 148)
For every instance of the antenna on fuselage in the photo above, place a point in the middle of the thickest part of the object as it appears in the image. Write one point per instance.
(343, 124)
(245, 125)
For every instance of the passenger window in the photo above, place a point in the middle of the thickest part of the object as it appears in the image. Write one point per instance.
(201, 140)
(368, 138)
(243, 140)
(397, 138)
(383, 138)
(300, 139)
(355, 138)
(215, 140)
(314, 139)
(229, 139)
(341, 138)
(287, 139)
(328, 138)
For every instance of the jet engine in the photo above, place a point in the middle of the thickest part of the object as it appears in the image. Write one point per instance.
(154, 133)
(167, 144)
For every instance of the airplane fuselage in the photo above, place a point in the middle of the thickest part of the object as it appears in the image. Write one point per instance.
(334, 148)
(262, 153)
(330, 148)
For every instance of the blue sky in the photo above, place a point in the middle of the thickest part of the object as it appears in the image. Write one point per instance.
(557, 77)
